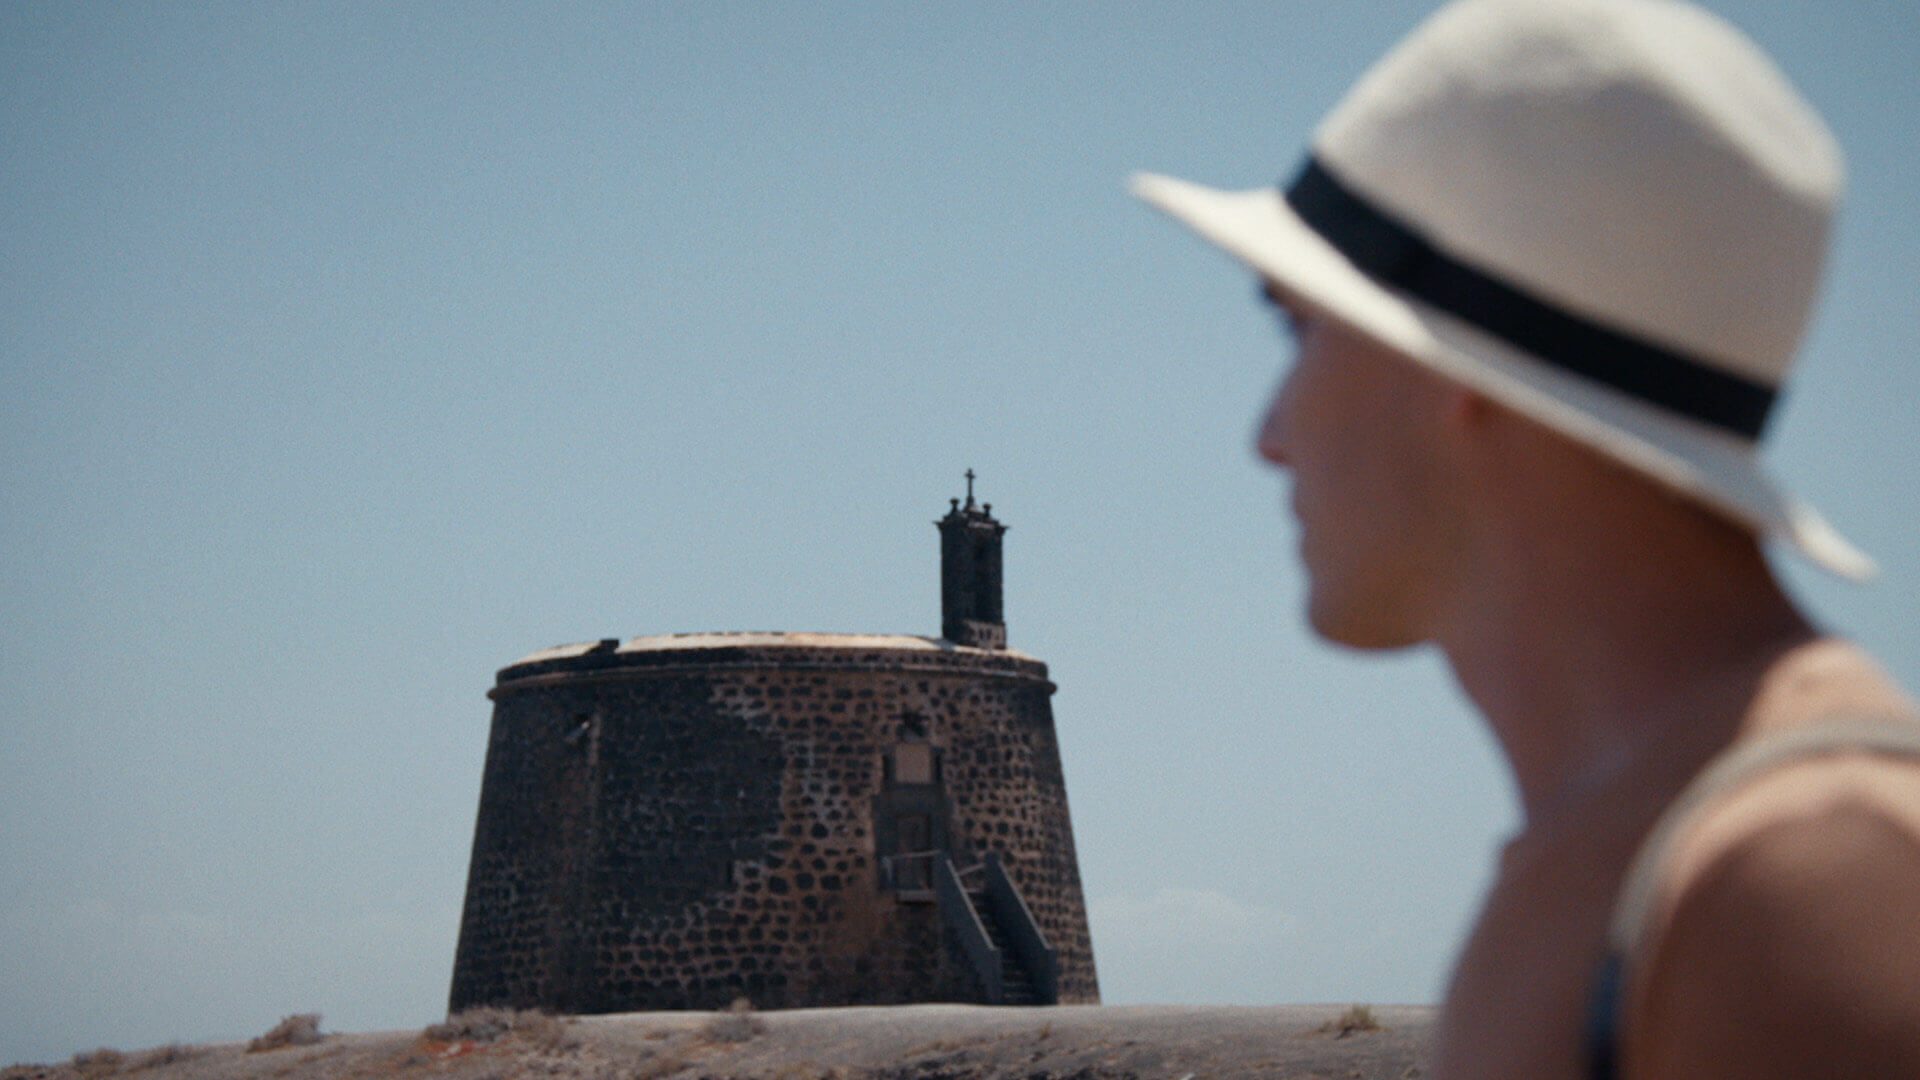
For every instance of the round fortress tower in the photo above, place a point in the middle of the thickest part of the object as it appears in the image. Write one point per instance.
(677, 821)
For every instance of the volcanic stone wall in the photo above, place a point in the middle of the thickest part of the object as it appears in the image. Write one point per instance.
(677, 822)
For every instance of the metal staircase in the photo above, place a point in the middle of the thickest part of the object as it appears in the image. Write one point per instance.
(1016, 983)
(997, 933)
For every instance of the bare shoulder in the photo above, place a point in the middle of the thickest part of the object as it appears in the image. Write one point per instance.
(1786, 937)
(1823, 679)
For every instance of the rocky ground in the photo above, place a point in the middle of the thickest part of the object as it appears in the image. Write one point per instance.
(912, 1042)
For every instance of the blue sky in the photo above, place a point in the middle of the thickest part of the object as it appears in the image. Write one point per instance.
(350, 352)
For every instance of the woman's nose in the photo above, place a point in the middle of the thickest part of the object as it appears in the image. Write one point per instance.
(1269, 439)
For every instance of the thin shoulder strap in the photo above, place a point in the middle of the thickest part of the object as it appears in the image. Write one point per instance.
(1731, 769)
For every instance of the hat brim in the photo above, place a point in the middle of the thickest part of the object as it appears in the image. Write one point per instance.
(1697, 460)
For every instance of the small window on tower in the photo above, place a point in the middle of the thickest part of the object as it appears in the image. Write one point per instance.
(913, 763)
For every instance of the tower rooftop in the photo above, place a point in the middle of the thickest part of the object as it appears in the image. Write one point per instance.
(775, 638)
(763, 647)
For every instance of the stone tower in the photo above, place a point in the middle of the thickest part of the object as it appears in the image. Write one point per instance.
(676, 821)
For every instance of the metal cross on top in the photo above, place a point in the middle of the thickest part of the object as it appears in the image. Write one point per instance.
(969, 487)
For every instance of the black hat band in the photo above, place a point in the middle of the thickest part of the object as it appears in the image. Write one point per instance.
(1394, 255)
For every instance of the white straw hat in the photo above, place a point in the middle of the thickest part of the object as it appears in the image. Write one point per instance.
(1609, 215)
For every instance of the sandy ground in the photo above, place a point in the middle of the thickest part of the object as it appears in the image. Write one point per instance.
(911, 1042)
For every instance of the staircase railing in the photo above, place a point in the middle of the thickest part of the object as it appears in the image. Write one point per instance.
(957, 915)
(1024, 936)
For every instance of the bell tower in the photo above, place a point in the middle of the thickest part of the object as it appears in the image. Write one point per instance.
(970, 575)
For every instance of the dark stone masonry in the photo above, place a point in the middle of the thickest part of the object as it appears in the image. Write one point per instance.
(678, 821)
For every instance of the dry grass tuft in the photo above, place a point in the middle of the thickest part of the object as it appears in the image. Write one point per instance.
(736, 1025)
(546, 1033)
(481, 1024)
(300, 1029)
(1356, 1018)
(101, 1062)
(489, 1023)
